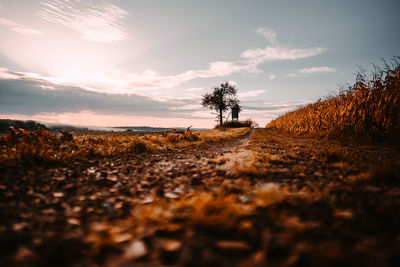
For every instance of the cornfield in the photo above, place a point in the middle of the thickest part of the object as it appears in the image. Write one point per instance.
(369, 109)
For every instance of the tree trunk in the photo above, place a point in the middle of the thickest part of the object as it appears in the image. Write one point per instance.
(220, 117)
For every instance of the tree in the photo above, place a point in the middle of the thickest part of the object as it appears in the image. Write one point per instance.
(222, 98)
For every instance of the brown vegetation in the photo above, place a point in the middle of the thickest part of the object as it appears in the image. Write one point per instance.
(237, 124)
(369, 110)
(43, 146)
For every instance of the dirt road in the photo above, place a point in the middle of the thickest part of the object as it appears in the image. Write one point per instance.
(255, 200)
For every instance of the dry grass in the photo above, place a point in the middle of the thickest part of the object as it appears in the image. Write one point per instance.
(43, 146)
(217, 135)
(369, 109)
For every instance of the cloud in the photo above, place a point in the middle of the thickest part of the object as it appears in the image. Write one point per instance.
(271, 77)
(276, 53)
(196, 89)
(250, 93)
(313, 70)
(97, 21)
(18, 28)
(23, 94)
(115, 81)
(268, 34)
(5, 74)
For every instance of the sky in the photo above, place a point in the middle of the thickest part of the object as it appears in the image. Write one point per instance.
(148, 63)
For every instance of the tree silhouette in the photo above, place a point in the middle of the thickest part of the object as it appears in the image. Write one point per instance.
(222, 98)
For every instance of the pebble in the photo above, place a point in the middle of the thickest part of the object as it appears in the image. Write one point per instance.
(136, 250)
(171, 195)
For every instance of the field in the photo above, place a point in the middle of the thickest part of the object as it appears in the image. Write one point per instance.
(367, 111)
(233, 197)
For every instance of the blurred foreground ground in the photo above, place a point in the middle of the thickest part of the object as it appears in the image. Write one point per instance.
(255, 200)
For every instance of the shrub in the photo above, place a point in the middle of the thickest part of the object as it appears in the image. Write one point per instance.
(27, 125)
(237, 124)
(172, 138)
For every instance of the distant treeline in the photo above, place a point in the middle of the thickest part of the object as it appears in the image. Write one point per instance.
(140, 128)
(28, 125)
(59, 128)
(33, 125)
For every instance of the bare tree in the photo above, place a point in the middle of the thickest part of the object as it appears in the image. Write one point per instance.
(222, 98)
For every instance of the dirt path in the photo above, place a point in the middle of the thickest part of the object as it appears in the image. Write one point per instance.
(255, 200)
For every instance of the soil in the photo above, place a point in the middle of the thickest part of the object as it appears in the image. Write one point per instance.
(275, 201)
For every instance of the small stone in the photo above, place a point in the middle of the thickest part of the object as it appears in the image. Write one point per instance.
(171, 195)
(319, 174)
(268, 186)
(24, 254)
(112, 178)
(122, 237)
(19, 226)
(244, 199)
(346, 214)
(58, 194)
(148, 200)
(74, 221)
(178, 190)
(171, 245)
(136, 250)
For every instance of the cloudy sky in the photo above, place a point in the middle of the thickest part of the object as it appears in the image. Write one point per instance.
(126, 62)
